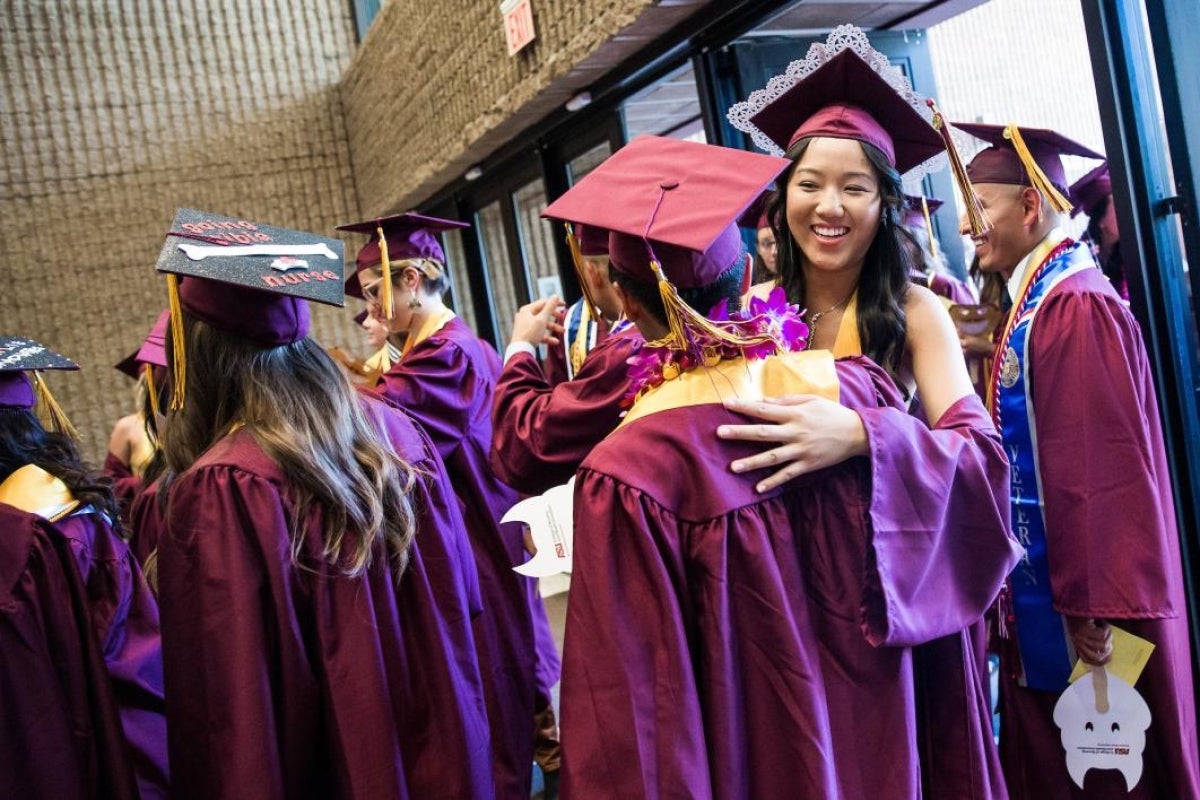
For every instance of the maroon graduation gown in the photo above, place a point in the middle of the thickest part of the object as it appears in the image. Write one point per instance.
(1111, 539)
(146, 523)
(446, 384)
(297, 681)
(543, 431)
(81, 675)
(725, 644)
(126, 485)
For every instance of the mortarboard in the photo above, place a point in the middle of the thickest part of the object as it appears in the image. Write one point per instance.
(672, 201)
(21, 384)
(246, 278)
(399, 237)
(671, 209)
(917, 209)
(1024, 157)
(153, 350)
(755, 217)
(1089, 191)
(151, 355)
(593, 241)
(843, 89)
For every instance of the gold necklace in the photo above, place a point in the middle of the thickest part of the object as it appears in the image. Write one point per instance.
(812, 323)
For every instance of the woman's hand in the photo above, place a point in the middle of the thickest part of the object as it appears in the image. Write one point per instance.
(812, 433)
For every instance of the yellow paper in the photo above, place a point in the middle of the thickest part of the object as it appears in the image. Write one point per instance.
(1130, 654)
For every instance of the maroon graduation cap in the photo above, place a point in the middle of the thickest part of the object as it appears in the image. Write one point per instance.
(1091, 190)
(397, 238)
(672, 202)
(1024, 157)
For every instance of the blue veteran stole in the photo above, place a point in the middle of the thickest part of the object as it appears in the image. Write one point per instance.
(1046, 654)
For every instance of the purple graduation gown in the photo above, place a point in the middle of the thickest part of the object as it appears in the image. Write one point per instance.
(446, 384)
(543, 431)
(726, 644)
(297, 681)
(1111, 539)
(81, 698)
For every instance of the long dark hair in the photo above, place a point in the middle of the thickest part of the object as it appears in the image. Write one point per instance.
(23, 440)
(306, 417)
(883, 284)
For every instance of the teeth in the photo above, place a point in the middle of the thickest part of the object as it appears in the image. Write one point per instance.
(823, 231)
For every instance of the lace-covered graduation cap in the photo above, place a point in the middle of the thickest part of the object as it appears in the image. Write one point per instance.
(846, 89)
(1090, 191)
(21, 384)
(1024, 157)
(401, 237)
(152, 354)
(245, 278)
(671, 208)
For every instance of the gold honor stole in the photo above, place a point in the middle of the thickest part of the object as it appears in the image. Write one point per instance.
(431, 326)
(805, 372)
(33, 490)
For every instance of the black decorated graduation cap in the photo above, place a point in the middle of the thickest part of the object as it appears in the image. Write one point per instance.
(21, 384)
(1024, 157)
(246, 278)
(671, 202)
(400, 237)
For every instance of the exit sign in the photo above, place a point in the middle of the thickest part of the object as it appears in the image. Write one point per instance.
(518, 24)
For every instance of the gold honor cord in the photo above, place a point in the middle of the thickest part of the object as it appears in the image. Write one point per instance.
(1037, 178)
(976, 217)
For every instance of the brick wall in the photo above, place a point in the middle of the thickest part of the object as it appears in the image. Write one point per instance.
(409, 134)
(112, 114)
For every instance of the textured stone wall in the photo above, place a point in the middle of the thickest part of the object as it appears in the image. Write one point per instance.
(112, 114)
(410, 136)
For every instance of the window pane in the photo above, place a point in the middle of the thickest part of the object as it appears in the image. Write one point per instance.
(583, 164)
(537, 239)
(670, 107)
(460, 282)
(490, 224)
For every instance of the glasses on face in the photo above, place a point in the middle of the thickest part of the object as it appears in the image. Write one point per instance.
(371, 290)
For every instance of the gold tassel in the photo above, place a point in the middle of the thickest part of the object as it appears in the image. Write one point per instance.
(179, 367)
(1037, 178)
(148, 371)
(977, 218)
(928, 227)
(385, 264)
(681, 318)
(51, 409)
(577, 261)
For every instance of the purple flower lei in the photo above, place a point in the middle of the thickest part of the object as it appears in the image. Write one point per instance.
(767, 326)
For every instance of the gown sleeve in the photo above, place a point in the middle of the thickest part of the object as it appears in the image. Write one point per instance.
(217, 643)
(941, 543)
(543, 431)
(435, 383)
(1110, 521)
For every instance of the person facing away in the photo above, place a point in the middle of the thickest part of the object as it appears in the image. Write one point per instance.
(727, 642)
(1072, 393)
(543, 429)
(588, 321)
(851, 127)
(315, 582)
(444, 379)
(81, 683)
